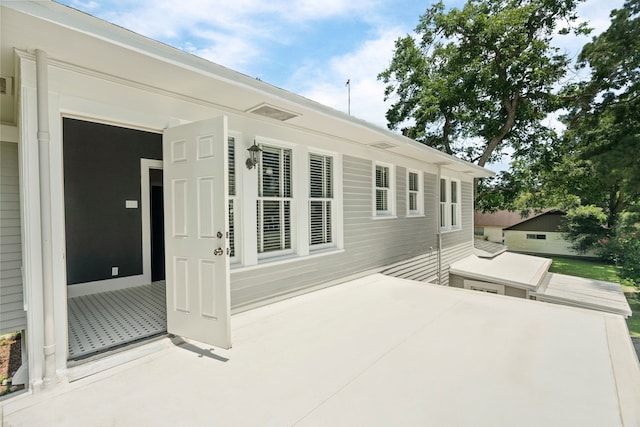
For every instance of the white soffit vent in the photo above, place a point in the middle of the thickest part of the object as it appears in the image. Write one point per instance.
(272, 112)
(383, 145)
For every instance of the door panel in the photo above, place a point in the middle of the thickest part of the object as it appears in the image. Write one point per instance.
(196, 224)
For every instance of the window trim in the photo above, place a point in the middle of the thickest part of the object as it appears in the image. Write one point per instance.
(292, 202)
(420, 194)
(446, 223)
(391, 192)
(331, 200)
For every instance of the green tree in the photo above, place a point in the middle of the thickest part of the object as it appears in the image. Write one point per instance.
(479, 78)
(585, 227)
(604, 121)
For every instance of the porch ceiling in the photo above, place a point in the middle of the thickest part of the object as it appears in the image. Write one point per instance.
(72, 37)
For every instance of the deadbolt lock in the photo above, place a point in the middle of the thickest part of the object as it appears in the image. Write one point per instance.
(219, 235)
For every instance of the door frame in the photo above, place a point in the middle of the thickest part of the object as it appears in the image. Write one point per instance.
(145, 198)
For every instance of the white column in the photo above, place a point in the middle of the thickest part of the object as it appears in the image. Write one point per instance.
(42, 84)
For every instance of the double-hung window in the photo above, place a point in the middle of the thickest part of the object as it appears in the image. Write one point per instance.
(384, 196)
(320, 201)
(414, 193)
(274, 201)
(449, 204)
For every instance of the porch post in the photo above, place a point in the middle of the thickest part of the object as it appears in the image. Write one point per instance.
(42, 84)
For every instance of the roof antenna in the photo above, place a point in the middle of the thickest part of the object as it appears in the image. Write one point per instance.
(348, 85)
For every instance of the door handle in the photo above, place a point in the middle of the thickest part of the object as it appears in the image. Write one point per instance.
(218, 252)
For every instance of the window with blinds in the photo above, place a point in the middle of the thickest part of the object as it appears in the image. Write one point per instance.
(320, 200)
(274, 200)
(233, 197)
(382, 190)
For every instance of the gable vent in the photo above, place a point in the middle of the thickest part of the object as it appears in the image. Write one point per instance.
(272, 112)
(383, 145)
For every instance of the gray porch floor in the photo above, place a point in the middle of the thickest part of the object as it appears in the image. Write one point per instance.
(377, 351)
(107, 320)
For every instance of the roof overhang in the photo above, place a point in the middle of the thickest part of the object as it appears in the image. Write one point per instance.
(75, 38)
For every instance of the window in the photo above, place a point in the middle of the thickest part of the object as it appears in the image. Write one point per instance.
(478, 231)
(320, 200)
(454, 204)
(414, 193)
(450, 204)
(384, 197)
(274, 200)
(233, 196)
(490, 288)
(443, 203)
(537, 236)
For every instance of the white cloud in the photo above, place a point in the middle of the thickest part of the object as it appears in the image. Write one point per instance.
(325, 83)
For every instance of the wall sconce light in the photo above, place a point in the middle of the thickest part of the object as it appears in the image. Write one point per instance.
(254, 151)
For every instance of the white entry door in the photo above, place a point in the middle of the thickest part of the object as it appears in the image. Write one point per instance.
(196, 224)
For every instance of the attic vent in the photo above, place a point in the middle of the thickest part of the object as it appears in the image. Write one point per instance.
(272, 112)
(6, 85)
(383, 145)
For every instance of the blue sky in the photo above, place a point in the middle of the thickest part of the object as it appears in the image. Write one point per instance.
(310, 47)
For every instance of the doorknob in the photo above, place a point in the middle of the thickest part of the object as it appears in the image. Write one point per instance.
(218, 252)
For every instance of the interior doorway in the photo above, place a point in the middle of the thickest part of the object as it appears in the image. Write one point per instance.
(102, 322)
(157, 225)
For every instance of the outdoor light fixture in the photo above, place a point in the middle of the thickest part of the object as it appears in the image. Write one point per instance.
(252, 161)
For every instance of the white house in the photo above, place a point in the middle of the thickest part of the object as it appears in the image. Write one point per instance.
(147, 191)
(108, 131)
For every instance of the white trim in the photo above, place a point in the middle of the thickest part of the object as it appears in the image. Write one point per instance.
(286, 259)
(448, 227)
(420, 194)
(145, 210)
(391, 192)
(88, 288)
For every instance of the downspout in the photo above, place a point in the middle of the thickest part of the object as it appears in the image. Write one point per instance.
(42, 84)
(438, 232)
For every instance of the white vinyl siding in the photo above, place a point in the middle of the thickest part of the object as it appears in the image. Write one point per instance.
(384, 197)
(320, 201)
(415, 204)
(274, 200)
(12, 314)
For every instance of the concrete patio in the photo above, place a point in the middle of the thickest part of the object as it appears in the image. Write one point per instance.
(374, 351)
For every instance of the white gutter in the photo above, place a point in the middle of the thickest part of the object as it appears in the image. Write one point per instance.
(42, 84)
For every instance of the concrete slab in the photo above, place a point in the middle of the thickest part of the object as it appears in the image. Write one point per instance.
(374, 351)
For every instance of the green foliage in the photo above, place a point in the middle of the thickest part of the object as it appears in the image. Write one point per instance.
(585, 227)
(479, 79)
(623, 247)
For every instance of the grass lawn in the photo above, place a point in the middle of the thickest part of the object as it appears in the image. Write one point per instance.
(600, 271)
